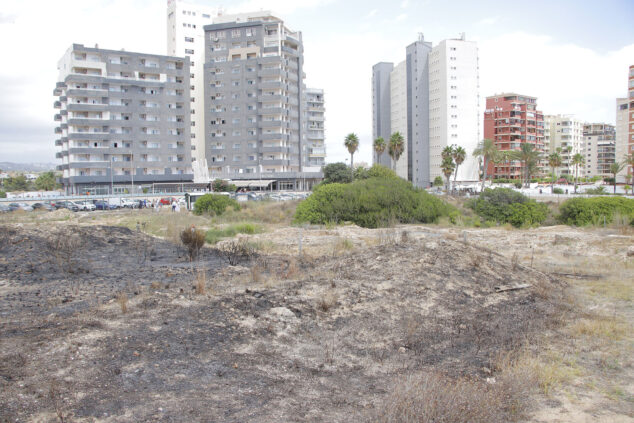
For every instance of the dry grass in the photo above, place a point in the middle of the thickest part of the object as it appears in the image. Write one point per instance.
(600, 327)
(201, 281)
(122, 300)
(328, 300)
(434, 397)
(263, 212)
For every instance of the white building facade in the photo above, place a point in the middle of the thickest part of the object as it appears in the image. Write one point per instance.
(454, 116)
(566, 133)
(186, 38)
(398, 115)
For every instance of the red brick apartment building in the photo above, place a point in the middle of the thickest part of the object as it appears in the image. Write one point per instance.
(511, 120)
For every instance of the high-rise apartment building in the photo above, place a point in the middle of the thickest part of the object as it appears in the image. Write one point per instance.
(432, 99)
(454, 116)
(398, 120)
(315, 141)
(255, 100)
(186, 38)
(418, 160)
(629, 170)
(622, 136)
(381, 104)
(599, 149)
(566, 135)
(123, 119)
(511, 120)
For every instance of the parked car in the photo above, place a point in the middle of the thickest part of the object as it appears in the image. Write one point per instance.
(20, 206)
(69, 205)
(130, 204)
(56, 205)
(42, 206)
(4, 208)
(104, 205)
(85, 205)
(167, 201)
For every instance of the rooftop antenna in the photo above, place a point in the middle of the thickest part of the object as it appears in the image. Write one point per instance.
(462, 36)
(421, 37)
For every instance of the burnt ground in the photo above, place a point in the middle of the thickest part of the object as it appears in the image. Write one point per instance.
(277, 339)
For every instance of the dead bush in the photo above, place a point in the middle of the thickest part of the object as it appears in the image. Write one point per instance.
(433, 397)
(236, 251)
(193, 239)
(327, 301)
(289, 269)
(405, 238)
(256, 273)
(122, 299)
(201, 281)
(64, 245)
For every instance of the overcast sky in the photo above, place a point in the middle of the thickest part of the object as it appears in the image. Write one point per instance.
(572, 55)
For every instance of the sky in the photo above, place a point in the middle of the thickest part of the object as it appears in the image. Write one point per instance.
(573, 55)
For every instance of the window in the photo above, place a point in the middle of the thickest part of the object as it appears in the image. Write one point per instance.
(189, 51)
(206, 16)
(251, 32)
(235, 33)
(236, 133)
(235, 109)
(189, 40)
(235, 70)
(191, 75)
(235, 121)
(235, 83)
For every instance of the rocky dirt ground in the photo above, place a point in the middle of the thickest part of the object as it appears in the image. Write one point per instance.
(321, 336)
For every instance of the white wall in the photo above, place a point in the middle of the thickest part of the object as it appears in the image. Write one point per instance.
(398, 113)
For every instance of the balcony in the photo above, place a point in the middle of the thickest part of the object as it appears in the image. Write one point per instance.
(274, 137)
(271, 124)
(57, 104)
(58, 117)
(278, 149)
(275, 162)
(58, 143)
(271, 111)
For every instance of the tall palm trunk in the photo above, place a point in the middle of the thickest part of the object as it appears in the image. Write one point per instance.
(484, 173)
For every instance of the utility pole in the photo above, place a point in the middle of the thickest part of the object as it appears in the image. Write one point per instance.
(111, 178)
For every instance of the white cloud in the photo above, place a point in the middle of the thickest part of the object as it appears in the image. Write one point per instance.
(401, 17)
(489, 21)
(372, 13)
(566, 78)
(404, 4)
(283, 7)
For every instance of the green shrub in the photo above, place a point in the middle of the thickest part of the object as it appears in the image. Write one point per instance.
(586, 211)
(597, 191)
(438, 181)
(371, 203)
(504, 205)
(216, 234)
(337, 173)
(3, 194)
(220, 185)
(558, 191)
(518, 185)
(214, 203)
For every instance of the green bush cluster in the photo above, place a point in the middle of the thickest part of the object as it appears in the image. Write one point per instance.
(376, 171)
(504, 205)
(214, 204)
(371, 203)
(216, 234)
(558, 190)
(587, 211)
(220, 185)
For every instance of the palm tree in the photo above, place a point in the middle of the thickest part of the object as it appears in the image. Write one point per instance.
(352, 144)
(577, 160)
(629, 161)
(459, 155)
(395, 147)
(447, 166)
(554, 161)
(379, 148)
(529, 158)
(615, 168)
(488, 151)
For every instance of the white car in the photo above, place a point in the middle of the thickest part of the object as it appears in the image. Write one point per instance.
(85, 205)
(131, 204)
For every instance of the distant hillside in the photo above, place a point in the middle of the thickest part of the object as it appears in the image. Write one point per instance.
(26, 167)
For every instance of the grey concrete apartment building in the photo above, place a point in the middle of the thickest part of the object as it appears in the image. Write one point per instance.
(381, 114)
(255, 104)
(123, 120)
(416, 97)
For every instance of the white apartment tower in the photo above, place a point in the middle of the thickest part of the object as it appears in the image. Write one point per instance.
(432, 99)
(398, 115)
(186, 38)
(454, 116)
(622, 134)
(565, 133)
(315, 143)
